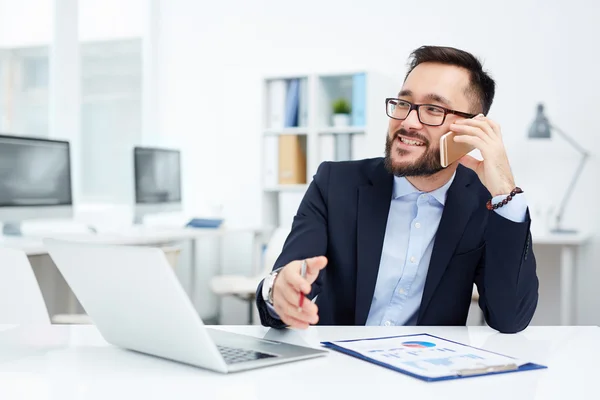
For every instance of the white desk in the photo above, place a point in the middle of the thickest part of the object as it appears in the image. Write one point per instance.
(146, 236)
(80, 365)
(569, 245)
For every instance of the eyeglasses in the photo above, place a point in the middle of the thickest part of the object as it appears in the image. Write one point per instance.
(429, 114)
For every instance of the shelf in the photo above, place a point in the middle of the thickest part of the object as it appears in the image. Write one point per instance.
(287, 188)
(287, 131)
(300, 131)
(342, 130)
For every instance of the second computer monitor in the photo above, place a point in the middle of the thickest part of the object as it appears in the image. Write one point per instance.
(157, 181)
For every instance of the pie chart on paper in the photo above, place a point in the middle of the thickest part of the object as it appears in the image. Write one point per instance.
(418, 345)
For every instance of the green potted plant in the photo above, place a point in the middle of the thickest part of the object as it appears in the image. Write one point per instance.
(341, 112)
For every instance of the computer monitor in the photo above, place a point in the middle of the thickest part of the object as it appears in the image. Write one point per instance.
(157, 181)
(35, 180)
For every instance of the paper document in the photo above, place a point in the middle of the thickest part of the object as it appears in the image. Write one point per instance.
(427, 356)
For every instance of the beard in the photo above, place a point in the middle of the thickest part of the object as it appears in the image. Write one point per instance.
(428, 164)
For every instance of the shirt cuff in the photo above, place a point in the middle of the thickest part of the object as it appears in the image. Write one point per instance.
(515, 210)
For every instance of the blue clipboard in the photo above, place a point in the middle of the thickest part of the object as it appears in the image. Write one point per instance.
(502, 369)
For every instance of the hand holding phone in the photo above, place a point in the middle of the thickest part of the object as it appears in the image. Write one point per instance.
(450, 151)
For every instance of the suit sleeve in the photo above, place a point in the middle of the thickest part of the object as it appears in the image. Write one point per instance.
(506, 276)
(307, 238)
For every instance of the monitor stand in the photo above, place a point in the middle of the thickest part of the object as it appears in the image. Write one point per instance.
(12, 229)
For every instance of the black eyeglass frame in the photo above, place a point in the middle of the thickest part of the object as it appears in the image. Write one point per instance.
(417, 106)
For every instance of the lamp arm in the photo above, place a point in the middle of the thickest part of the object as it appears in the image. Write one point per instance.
(569, 191)
(570, 140)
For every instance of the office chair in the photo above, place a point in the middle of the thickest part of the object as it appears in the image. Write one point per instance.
(244, 287)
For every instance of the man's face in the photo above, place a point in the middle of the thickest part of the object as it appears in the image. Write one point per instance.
(413, 148)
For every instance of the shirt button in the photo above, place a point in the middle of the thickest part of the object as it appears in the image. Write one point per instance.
(388, 323)
(418, 225)
(401, 291)
(412, 260)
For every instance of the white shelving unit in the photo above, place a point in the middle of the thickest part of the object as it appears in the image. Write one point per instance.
(310, 133)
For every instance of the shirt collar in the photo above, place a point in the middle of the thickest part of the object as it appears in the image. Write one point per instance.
(402, 187)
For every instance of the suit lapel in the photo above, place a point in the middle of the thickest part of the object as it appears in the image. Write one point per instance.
(460, 204)
(373, 207)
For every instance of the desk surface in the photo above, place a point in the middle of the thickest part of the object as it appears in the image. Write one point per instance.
(130, 236)
(562, 239)
(152, 236)
(76, 363)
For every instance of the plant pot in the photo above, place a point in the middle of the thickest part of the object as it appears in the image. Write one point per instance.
(341, 120)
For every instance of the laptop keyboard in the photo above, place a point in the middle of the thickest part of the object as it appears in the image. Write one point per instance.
(234, 355)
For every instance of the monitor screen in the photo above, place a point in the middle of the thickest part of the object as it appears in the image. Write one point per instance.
(34, 172)
(157, 176)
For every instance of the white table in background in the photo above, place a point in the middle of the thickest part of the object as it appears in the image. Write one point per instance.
(64, 362)
(148, 236)
(569, 247)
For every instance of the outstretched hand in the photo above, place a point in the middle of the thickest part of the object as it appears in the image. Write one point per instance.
(290, 285)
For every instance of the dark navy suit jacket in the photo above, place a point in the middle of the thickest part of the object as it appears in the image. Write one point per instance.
(343, 216)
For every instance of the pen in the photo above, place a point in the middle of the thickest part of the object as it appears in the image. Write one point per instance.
(303, 273)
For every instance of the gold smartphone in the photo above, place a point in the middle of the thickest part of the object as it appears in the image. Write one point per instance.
(450, 151)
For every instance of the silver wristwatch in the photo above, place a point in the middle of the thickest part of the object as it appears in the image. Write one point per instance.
(267, 289)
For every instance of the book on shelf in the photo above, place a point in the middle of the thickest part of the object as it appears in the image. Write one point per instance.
(292, 159)
(292, 103)
(287, 103)
(276, 107)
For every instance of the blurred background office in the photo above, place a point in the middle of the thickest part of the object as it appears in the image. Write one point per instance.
(233, 104)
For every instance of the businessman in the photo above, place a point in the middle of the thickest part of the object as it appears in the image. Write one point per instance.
(399, 240)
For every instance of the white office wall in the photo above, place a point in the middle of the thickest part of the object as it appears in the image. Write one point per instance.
(26, 23)
(213, 52)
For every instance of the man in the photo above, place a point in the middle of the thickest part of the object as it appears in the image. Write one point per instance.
(400, 240)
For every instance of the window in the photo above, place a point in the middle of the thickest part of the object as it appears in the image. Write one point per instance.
(111, 118)
(24, 105)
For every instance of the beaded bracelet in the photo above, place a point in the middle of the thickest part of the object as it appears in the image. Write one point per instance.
(512, 194)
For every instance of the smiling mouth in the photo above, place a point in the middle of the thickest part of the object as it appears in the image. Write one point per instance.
(410, 142)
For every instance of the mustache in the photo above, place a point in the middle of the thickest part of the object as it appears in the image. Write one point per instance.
(411, 135)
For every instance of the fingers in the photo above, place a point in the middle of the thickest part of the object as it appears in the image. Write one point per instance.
(471, 130)
(297, 282)
(288, 288)
(479, 126)
(314, 266)
(474, 141)
(286, 302)
(496, 127)
(295, 323)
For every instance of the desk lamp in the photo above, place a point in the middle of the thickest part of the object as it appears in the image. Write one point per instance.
(542, 129)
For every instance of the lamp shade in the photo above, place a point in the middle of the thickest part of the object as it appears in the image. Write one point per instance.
(540, 127)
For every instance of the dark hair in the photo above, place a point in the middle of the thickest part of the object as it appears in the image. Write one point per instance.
(482, 86)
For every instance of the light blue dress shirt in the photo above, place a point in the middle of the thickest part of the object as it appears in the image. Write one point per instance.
(413, 220)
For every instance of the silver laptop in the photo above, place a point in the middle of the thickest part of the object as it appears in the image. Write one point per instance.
(136, 301)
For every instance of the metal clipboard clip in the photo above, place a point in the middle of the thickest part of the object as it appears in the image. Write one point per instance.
(487, 369)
